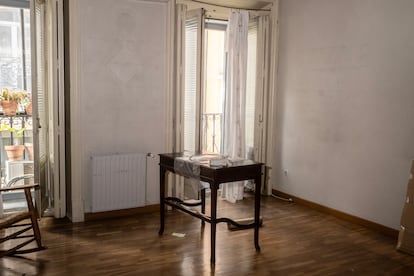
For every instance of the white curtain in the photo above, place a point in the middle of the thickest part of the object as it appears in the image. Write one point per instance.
(235, 107)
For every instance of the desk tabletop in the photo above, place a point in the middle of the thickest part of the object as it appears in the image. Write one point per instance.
(233, 171)
(196, 157)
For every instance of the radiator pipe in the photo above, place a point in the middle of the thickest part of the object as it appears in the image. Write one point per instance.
(283, 198)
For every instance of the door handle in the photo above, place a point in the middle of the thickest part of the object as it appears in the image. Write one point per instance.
(38, 122)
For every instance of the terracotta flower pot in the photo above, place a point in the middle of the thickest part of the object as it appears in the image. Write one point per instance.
(14, 152)
(29, 148)
(9, 107)
(29, 109)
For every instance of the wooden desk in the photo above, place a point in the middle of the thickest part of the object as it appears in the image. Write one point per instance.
(241, 170)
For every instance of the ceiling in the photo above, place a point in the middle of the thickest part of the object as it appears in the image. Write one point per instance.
(218, 9)
(239, 4)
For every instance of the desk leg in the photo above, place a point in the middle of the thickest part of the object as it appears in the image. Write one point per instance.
(203, 204)
(257, 195)
(162, 197)
(213, 189)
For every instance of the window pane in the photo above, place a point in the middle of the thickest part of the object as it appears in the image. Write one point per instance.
(5, 40)
(9, 15)
(212, 117)
(10, 49)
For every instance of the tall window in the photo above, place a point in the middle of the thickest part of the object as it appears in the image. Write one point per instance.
(37, 26)
(214, 86)
(16, 135)
(210, 104)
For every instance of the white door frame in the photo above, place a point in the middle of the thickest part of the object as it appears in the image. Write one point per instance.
(77, 212)
(58, 109)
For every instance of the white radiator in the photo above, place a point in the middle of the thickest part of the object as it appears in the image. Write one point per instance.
(118, 181)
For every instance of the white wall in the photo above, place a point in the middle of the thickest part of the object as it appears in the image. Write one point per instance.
(345, 104)
(122, 83)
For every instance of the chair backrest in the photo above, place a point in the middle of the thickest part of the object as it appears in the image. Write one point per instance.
(22, 234)
(16, 179)
(12, 182)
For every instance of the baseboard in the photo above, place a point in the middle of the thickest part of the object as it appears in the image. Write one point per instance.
(122, 213)
(341, 215)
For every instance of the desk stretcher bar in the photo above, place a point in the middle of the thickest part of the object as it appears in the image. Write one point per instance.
(182, 206)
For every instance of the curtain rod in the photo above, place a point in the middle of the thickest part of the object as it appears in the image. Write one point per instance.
(228, 7)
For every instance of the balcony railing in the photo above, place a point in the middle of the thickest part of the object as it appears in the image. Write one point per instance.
(211, 136)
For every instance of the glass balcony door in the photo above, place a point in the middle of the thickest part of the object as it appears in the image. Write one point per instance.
(31, 45)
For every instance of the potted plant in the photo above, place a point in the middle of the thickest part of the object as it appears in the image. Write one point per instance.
(14, 151)
(29, 148)
(26, 102)
(10, 99)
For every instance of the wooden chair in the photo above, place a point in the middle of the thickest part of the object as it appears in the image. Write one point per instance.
(19, 231)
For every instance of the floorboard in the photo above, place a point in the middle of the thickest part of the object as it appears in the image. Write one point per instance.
(295, 240)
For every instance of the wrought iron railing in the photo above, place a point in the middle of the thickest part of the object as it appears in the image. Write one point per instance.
(211, 135)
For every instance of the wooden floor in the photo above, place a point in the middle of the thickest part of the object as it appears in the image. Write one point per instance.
(295, 240)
